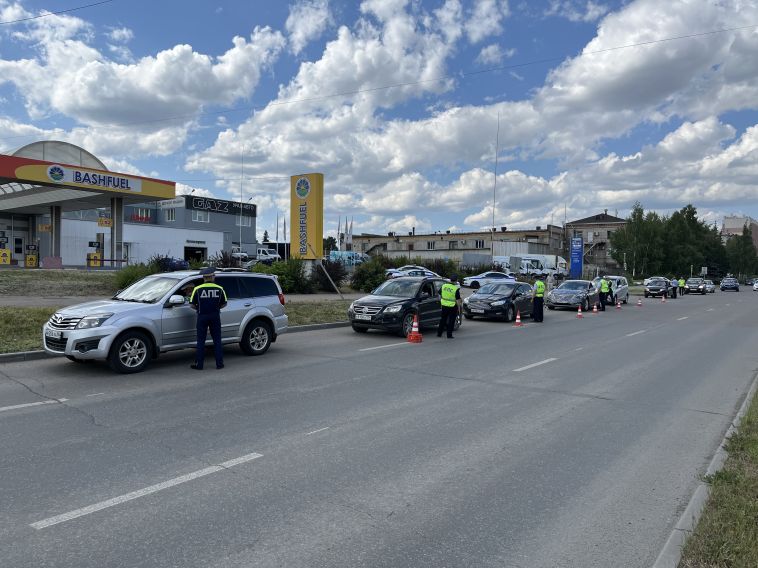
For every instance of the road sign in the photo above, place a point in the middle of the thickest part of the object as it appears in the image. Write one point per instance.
(577, 257)
(94, 244)
(704, 271)
(104, 222)
(44, 228)
(5, 256)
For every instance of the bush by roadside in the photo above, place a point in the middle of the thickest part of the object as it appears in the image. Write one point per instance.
(291, 275)
(336, 271)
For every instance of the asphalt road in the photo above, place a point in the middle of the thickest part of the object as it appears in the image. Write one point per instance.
(572, 443)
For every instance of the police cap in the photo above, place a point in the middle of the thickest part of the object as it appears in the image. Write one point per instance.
(207, 271)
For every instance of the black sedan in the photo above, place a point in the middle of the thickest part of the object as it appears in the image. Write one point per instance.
(500, 301)
(572, 294)
(695, 286)
(658, 287)
(393, 304)
(730, 284)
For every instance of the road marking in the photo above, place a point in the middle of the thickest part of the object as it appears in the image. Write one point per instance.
(709, 310)
(317, 431)
(96, 394)
(578, 348)
(141, 492)
(729, 304)
(636, 333)
(535, 365)
(385, 346)
(28, 404)
(683, 318)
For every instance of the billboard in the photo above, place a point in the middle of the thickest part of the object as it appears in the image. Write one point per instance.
(307, 216)
(577, 257)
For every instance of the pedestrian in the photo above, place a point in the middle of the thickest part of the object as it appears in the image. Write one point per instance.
(550, 282)
(538, 301)
(604, 289)
(208, 299)
(674, 286)
(681, 286)
(450, 303)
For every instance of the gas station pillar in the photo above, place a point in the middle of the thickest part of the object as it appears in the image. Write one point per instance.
(117, 230)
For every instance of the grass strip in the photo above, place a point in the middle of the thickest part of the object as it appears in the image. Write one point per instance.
(21, 328)
(57, 282)
(727, 533)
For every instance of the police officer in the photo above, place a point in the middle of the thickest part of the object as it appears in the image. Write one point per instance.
(674, 286)
(681, 286)
(451, 305)
(538, 302)
(208, 299)
(604, 289)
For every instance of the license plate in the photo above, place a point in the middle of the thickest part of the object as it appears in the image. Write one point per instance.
(476, 310)
(53, 333)
(362, 317)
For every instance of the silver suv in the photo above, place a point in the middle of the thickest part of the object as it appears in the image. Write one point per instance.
(153, 316)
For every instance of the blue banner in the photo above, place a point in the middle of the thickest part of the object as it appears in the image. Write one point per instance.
(577, 257)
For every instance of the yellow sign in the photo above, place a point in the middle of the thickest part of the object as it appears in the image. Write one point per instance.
(5, 256)
(307, 216)
(94, 260)
(104, 222)
(44, 228)
(31, 261)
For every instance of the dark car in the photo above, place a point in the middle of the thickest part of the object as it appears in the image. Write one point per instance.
(657, 287)
(393, 304)
(697, 286)
(500, 301)
(572, 294)
(730, 284)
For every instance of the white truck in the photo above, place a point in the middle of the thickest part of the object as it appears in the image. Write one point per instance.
(526, 266)
(262, 254)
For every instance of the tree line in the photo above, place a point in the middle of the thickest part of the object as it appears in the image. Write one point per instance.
(653, 244)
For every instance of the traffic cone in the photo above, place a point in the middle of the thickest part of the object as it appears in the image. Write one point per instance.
(518, 319)
(639, 302)
(579, 313)
(594, 308)
(415, 335)
(618, 304)
(663, 298)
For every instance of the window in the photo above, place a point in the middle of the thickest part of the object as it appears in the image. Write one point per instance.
(256, 287)
(430, 245)
(453, 244)
(18, 245)
(230, 284)
(410, 246)
(243, 221)
(479, 243)
(201, 216)
(170, 215)
(141, 215)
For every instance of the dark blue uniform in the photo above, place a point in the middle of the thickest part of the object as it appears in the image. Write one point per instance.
(208, 299)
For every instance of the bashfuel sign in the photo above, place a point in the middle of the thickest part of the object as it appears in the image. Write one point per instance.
(307, 216)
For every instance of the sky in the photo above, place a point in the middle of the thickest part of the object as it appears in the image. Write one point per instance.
(419, 113)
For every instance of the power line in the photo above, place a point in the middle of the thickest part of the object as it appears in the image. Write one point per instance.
(56, 13)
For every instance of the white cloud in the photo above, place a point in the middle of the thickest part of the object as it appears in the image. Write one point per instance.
(493, 55)
(577, 11)
(307, 20)
(120, 35)
(486, 19)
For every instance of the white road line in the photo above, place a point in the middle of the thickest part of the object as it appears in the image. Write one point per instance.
(636, 333)
(96, 394)
(28, 404)
(709, 310)
(578, 348)
(141, 493)
(317, 431)
(683, 318)
(385, 346)
(535, 365)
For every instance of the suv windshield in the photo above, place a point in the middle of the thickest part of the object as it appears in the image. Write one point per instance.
(147, 290)
(695, 281)
(658, 282)
(573, 285)
(399, 288)
(504, 289)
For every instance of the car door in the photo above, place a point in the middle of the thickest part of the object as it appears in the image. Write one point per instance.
(429, 310)
(524, 298)
(179, 323)
(235, 310)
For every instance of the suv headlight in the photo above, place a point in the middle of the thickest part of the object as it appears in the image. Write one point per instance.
(93, 321)
(498, 303)
(393, 308)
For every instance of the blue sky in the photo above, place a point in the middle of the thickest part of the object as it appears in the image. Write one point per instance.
(397, 102)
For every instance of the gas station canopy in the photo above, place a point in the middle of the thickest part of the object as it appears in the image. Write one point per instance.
(58, 174)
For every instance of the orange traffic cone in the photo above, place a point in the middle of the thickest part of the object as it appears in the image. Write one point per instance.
(594, 308)
(618, 304)
(518, 319)
(579, 313)
(639, 302)
(663, 298)
(415, 335)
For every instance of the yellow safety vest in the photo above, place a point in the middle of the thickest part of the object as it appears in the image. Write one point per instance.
(681, 282)
(448, 295)
(604, 286)
(539, 289)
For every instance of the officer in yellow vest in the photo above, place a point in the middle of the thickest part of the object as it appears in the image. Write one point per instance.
(208, 299)
(451, 305)
(538, 302)
(605, 287)
(681, 286)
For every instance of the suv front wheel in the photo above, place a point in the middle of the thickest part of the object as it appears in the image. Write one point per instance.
(257, 337)
(130, 353)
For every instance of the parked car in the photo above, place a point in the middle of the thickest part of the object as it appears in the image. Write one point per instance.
(393, 304)
(619, 289)
(153, 316)
(572, 294)
(489, 277)
(730, 284)
(499, 300)
(658, 287)
(411, 271)
(710, 287)
(697, 286)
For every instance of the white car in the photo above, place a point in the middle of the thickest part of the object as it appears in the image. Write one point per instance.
(413, 272)
(755, 286)
(489, 277)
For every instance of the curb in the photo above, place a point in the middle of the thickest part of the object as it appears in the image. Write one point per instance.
(671, 554)
(36, 355)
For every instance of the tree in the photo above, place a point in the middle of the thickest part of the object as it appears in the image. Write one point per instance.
(741, 254)
(265, 236)
(330, 244)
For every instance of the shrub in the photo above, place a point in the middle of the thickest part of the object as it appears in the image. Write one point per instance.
(336, 271)
(223, 259)
(130, 274)
(291, 275)
(369, 275)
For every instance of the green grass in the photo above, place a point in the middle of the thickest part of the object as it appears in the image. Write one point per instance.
(57, 283)
(727, 533)
(21, 328)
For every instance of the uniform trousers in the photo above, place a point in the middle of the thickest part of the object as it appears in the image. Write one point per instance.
(204, 323)
(447, 320)
(538, 309)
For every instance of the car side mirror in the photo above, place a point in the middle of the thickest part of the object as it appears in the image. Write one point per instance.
(176, 300)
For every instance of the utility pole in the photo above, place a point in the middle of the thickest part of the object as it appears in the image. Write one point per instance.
(494, 187)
